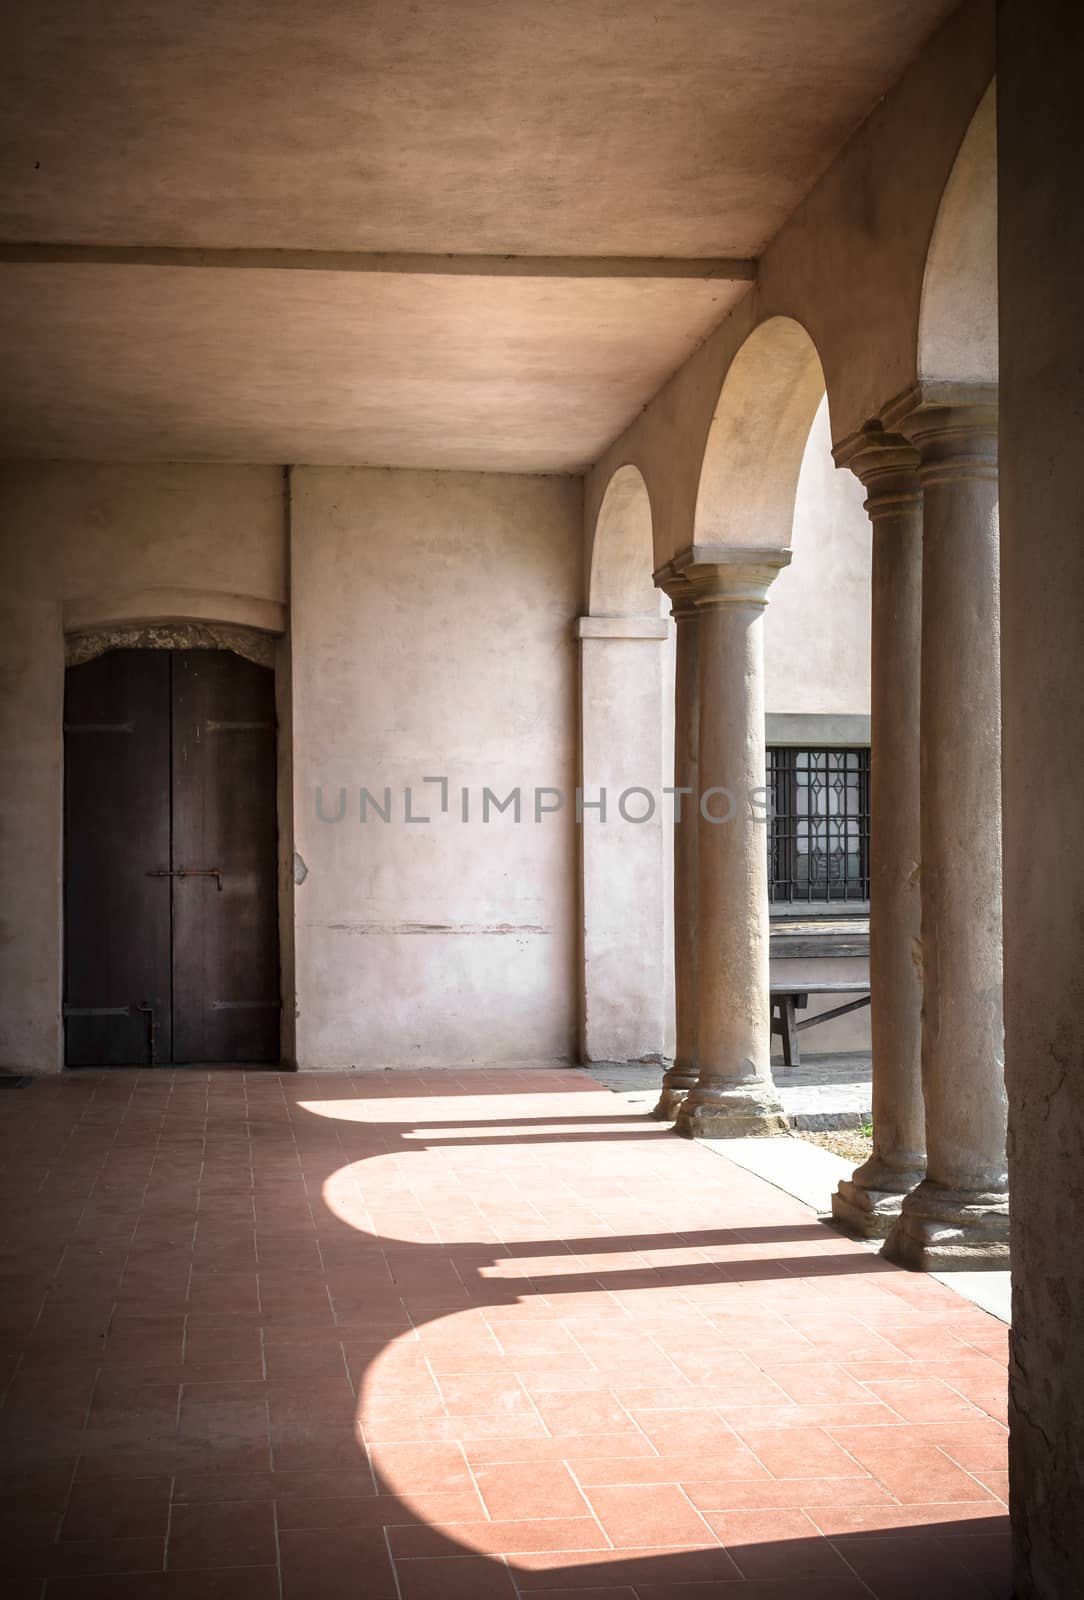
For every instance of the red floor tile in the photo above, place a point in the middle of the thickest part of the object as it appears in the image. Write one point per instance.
(641, 1517)
(336, 1564)
(924, 1400)
(458, 1578)
(500, 1538)
(777, 1545)
(126, 1508)
(545, 1489)
(801, 1452)
(376, 1511)
(225, 1535)
(914, 1471)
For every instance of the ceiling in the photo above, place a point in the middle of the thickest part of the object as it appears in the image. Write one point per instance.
(624, 128)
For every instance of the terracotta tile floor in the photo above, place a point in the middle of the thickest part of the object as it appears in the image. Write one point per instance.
(423, 1336)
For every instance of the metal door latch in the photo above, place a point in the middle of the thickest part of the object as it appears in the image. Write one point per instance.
(152, 1032)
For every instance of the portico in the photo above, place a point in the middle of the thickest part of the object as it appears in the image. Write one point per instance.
(475, 376)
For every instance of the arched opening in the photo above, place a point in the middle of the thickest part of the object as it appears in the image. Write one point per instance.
(769, 480)
(757, 438)
(957, 332)
(817, 738)
(627, 736)
(622, 555)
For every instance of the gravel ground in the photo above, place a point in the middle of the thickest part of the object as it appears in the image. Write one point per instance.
(856, 1144)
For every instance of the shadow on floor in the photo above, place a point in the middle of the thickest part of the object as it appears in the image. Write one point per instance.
(264, 1331)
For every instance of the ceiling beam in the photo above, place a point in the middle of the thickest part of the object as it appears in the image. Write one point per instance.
(697, 268)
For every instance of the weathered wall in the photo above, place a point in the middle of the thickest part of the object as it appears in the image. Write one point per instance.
(92, 543)
(432, 636)
(627, 953)
(816, 627)
(1041, 247)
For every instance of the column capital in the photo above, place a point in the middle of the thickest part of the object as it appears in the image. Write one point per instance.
(680, 590)
(886, 464)
(719, 574)
(953, 426)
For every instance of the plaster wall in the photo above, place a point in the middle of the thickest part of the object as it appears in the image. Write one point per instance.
(843, 1035)
(432, 636)
(817, 625)
(88, 544)
(628, 955)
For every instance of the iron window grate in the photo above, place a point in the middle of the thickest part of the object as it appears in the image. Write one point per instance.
(818, 842)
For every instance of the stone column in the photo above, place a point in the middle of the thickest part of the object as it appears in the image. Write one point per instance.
(682, 1076)
(734, 1095)
(958, 1214)
(868, 1203)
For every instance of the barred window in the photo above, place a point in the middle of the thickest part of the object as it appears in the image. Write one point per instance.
(818, 841)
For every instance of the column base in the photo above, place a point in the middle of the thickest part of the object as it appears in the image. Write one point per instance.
(944, 1230)
(868, 1203)
(738, 1113)
(676, 1084)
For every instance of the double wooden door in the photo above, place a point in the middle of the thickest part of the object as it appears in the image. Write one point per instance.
(170, 899)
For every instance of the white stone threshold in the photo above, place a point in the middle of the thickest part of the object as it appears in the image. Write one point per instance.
(811, 1174)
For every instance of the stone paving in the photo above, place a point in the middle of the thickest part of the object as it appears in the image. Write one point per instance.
(463, 1335)
(829, 1092)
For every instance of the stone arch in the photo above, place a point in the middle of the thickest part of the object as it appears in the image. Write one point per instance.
(758, 435)
(957, 327)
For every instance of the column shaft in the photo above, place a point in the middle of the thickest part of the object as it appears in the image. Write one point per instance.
(958, 1215)
(869, 1202)
(682, 1076)
(734, 1095)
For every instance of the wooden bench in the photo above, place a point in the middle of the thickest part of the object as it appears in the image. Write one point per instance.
(788, 998)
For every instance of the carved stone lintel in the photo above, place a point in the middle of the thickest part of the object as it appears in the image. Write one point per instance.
(250, 643)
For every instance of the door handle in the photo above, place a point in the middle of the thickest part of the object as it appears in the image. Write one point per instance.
(188, 872)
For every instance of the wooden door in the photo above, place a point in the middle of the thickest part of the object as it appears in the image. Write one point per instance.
(225, 914)
(171, 909)
(116, 825)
